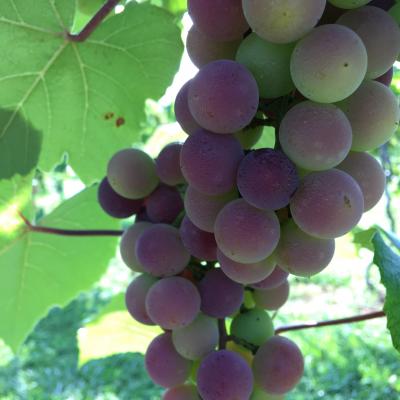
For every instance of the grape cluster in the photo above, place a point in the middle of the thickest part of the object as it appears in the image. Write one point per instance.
(220, 226)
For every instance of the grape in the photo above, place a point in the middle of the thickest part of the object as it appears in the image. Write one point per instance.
(315, 136)
(267, 179)
(302, 254)
(142, 216)
(135, 298)
(132, 173)
(386, 78)
(128, 244)
(220, 296)
(246, 234)
(277, 278)
(327, 204)
(115, 205)
(272, 299)
(380, 34)
(368, 173)
(202, 49)
(168, 165)
(269, 63)
(224, 375)
(209, 162)
(347, 4)
(200, 244)
(160, 251)
(221, 20)
(384, 4)
(282, 21)
(259, 394)
(197, 339)
(329, 64)
(278, 365)
(182, 112)
(89, 7)
(254, 326)
(249, 136)
(246, 273)
(241, 351)
(164, 364)
(223, 96)
(184, 392)
(173, 302)
(373, 113)
(164, 205)
(203, 209)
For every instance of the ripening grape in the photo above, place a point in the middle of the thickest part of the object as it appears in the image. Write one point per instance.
(282, 21)
(221, 20)
(373, 112)
(259, 394)
(272, 299)
(184, 392)
(164, 204)
(209, 162)
(302, 254)
(246, 273)
(89, 7)
(249, 136)
(278, 365)
(277, 278)
(200, 244)
(202, 49)
(348, 4)
(128, 244)
(315, 136)
(220, 296)
(267, 179)
(132, 173)
(173, 302)
(254, 326)
(224, 375)
(165, 366)
(380, 34)
(168, 165)
(269, 63)
(368, 173)
(223, 96)
(329, 64)
(328, 204)
(115, 205)
(246, 234)
(160, 251)
(135, 298)
(197, 339)
(182, 112)
(386, 78)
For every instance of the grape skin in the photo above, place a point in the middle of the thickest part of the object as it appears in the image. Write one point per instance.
(259, 394)
(272, 299)
(184, 392)
(348, 4)
(249, 136)
(168, 165)
(182, 112)
(277, 278)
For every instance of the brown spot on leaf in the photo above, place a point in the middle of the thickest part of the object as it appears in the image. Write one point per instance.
(119, 122)
(108, 115)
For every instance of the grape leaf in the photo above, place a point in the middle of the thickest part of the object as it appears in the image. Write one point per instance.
(388, 263)
(40, 270)
(87, 98)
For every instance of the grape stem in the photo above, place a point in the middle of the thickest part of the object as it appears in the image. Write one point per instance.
(94, 22)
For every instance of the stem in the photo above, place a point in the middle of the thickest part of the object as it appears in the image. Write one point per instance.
(223, 335)
(94, 22)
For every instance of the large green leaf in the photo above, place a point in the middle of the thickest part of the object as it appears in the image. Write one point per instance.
(40, 270)
(389, 266)
(87, 98)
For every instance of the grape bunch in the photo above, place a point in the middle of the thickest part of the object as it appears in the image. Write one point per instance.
(220, 225)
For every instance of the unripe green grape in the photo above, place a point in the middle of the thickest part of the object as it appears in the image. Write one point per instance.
(89, 7)
(259, 394)
(348, 4)
(248, 137)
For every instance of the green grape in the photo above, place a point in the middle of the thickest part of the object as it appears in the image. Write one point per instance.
(347, 4)
(248, 137)
(254, 326)
(259, 394)
(89, 7)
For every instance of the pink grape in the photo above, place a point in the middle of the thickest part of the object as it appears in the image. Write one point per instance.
(272, 299)
(277, 278)
(164, 204)
(184, 392)
(168, 165)
(182, 112)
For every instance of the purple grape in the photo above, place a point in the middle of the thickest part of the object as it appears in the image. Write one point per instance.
(135, 298)
(272, 299)
(168, 165)
(223, 96)
(221, 20)
(173, 302)
(209, 162)
(161, 252)
(267, 179)
(386, 78)
(184, 392)
(164, 364)
(220, 296)
(203, 209)
(182, 112)
(278, 365)
(200, 244)
(246, 273)
(115, 205)
(246, 234)
(328, 204)
(164, 205)
(224, 375)
(277, 278)
(142, 216)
